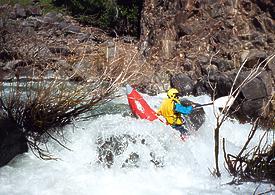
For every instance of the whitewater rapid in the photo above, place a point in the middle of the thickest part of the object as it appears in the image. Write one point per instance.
(184, 166)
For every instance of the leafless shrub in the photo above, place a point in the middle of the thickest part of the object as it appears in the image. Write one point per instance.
(256, 164)
(226, 112)
(41, 107)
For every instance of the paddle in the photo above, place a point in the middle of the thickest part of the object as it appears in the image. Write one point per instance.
(225, 101)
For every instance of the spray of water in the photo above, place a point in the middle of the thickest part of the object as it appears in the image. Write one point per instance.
(118, 154)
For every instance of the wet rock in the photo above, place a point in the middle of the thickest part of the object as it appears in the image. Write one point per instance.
(110, 147)
(252, 108)
(114, 147)
(157, 160)
(254, 96)
(132, 161)
(12, 141)
(222, 82)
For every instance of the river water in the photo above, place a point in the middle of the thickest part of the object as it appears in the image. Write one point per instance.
(163, 163)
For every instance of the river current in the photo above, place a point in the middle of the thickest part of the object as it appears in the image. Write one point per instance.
(149, 158)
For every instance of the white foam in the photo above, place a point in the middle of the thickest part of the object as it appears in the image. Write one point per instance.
(185, 164)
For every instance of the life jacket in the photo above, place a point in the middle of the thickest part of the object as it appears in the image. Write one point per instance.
(167, 110)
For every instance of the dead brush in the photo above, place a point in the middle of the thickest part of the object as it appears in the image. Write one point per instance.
(256, 164)
(41, 107)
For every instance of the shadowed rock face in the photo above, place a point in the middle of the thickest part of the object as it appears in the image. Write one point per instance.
(12, 141)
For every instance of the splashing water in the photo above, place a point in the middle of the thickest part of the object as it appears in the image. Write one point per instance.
(149, 158)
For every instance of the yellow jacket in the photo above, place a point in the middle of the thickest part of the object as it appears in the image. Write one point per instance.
(167, 111)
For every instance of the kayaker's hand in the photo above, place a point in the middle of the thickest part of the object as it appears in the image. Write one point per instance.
(189, 109)
(158, 113)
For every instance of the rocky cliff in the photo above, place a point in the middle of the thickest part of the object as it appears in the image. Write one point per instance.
(188, 44)
(192, 44)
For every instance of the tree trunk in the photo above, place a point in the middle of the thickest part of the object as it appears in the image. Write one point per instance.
(216, 137)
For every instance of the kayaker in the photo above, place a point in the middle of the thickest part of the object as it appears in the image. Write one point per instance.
(171, 109)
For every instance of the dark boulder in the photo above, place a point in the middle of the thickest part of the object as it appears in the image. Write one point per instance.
(255, 94)
(254, 58)
(223, 83)
(200, 88)
(219, 81)
(183, 83)
(12, 141)
(223, 64)
(253, 98)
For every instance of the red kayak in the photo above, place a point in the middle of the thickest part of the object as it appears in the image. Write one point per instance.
(141, 109)
(139, 106)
